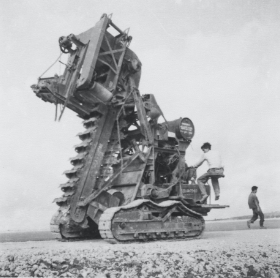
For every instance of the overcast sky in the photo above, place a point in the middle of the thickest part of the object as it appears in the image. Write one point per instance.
(216, 62)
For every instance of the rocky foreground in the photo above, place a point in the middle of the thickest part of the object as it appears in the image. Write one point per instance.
(249, 253)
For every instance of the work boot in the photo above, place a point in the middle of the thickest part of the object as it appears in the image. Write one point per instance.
(217, 198)
(262, 227)
(249, 224)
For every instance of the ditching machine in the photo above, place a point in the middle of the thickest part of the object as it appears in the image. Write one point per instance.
(129, 181)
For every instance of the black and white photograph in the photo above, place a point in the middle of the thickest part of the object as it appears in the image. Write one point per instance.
(140, 138)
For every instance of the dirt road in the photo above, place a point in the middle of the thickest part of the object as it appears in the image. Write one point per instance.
(247, 253)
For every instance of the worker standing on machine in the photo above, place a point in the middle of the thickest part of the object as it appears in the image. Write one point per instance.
(215, 171)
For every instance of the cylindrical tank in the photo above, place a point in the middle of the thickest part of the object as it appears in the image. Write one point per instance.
(100, 92)
(183, 128)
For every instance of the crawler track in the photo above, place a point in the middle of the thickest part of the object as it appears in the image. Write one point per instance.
(143, 220)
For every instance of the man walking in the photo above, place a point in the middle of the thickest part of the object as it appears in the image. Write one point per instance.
(216, 170)
(254, 204)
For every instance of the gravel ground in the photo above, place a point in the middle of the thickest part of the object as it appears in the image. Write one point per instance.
(249, 253)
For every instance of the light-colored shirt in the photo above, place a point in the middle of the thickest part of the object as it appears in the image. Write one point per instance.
(213, 159)
(253, 201)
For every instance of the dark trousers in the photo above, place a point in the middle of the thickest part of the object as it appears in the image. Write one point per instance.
(257, 214)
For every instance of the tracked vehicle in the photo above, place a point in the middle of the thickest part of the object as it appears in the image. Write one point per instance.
(129, 181)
